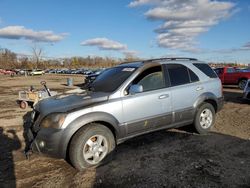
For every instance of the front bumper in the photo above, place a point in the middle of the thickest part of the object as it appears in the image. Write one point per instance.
(46, 141)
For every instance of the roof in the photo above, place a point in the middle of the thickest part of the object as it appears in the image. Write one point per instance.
(140, 63)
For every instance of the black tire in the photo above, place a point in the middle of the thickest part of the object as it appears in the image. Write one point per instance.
(79, 143)
(242, 83)
(204, 128)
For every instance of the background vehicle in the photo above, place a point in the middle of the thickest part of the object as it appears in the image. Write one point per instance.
(126, 101)
(246, 93)
(91, 77)
(7, 72)
(231, 75)
(36, 72)
(31, 97)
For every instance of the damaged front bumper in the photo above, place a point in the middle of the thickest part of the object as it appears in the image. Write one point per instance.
(45, 141)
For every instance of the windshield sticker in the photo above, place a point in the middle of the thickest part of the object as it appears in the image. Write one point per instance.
(128, 69)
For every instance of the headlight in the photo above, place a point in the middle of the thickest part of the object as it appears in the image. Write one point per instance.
(53, 121)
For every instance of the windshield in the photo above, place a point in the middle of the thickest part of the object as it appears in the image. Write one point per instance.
(111, 79)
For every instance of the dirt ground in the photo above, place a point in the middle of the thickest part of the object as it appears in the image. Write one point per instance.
(168, 158)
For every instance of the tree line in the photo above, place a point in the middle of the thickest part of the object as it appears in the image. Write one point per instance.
(10, 60)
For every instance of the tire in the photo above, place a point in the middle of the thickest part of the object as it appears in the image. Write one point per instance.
(204, 118)
(86, 152)
(242, 83)
(23, 105)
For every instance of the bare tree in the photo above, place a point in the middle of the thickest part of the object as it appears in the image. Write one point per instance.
(8, 59)
(37, 52)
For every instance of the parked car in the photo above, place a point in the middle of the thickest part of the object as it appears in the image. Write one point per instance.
(230, 75)
(7, 72)
(246, 93)
(36, 72)
(20, 71)
(91, 77)
(126, 101)
(242, 69)
(87, 72)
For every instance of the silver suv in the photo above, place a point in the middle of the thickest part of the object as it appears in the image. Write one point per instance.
(126, 101)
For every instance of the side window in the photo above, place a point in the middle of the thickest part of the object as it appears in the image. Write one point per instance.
(230, 70)
(178, 74)
(193, 76)
(206, 69)
(151, 79)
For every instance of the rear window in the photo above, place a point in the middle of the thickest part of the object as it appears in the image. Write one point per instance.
(206, 69)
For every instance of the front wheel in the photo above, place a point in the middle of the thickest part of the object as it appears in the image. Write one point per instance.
(204, 118)
(242, 84)
(91, 146)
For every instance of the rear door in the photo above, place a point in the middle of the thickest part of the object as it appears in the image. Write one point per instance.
(150, 108)
(185, 88)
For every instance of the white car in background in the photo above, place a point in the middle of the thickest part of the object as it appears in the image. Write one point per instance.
(37, 72)
(246, 93)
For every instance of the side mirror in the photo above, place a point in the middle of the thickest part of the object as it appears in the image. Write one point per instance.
(135, 89)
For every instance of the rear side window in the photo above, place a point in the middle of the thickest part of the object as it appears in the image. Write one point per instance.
(193, 76)
(179, 74)
(206, 69)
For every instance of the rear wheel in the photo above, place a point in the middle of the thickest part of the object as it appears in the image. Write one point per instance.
(242, 83)
(91, 146)
(204, 119)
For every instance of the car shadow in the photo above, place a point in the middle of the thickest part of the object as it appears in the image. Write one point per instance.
(174, 159)
(234, 96)
(26, 126)
(230, 87)
(9, 142)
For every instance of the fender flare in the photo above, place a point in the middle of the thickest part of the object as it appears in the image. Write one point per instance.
(83, 120)
(203, 97)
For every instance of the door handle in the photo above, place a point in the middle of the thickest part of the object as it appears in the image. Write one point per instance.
(199, 88)
(163, 96)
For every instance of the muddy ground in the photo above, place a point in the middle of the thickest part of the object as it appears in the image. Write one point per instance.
(168, 158)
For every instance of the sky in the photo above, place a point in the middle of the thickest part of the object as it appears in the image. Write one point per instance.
(214, 31)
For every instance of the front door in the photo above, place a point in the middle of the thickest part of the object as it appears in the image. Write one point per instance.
(151, 107)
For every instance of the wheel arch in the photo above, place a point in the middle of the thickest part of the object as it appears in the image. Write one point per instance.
(207, 98)
(96, 117)
(242, 78)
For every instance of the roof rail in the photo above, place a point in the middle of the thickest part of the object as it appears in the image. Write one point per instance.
(171, 59)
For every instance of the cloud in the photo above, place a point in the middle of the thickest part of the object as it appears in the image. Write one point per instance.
(245, 47)
(20, 32)
(107, 44)
(104, 44)
(143, 2)
(183, 21)
(130, 53)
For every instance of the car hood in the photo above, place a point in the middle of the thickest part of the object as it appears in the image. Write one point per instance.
(67, 103)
